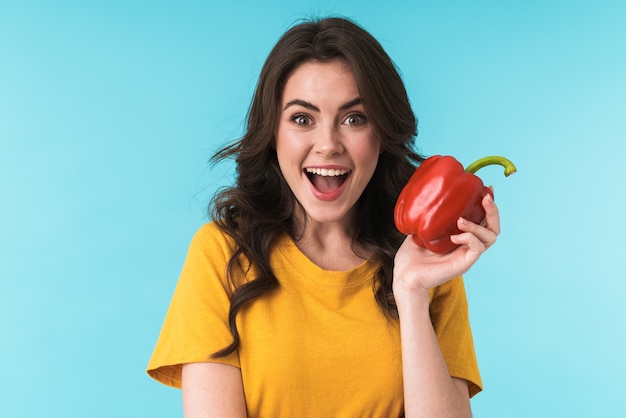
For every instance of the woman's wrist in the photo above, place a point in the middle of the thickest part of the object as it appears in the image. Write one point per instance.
(410, 298)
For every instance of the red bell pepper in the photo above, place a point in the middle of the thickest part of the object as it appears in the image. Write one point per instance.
(437, 194)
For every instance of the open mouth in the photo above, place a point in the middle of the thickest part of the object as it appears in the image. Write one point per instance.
(327, 180)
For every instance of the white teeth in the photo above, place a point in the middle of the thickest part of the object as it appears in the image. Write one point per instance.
(326, 172)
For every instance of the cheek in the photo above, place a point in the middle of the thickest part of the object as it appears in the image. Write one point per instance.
(289, 151)
(291, 144)
(367, 152)
(284, 149)
(281, 143)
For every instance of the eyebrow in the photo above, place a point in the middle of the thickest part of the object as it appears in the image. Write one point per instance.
(311, 106)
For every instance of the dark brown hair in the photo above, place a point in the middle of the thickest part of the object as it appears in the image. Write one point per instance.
(259, 207)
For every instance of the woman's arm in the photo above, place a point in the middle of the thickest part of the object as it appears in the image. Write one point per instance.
(429, 390)
(212, 390)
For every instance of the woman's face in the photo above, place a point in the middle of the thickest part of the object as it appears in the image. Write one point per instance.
(326, 147)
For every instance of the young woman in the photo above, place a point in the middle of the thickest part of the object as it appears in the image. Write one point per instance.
(301, 298)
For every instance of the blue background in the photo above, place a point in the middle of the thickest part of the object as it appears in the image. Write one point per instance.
(109, 112)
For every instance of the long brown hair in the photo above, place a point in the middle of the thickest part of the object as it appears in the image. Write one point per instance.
(259, 207)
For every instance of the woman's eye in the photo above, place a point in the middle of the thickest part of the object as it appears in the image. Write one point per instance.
(355, 120)
(302, 120)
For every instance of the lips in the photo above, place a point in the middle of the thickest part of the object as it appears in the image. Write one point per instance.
(327, 182)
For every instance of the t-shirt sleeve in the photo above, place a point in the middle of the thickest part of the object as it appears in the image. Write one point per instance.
(196, 323)
(450, 318)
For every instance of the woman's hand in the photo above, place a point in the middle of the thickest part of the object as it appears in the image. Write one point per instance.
(417, 270)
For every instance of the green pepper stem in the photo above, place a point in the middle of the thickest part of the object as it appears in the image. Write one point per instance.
(509, 167)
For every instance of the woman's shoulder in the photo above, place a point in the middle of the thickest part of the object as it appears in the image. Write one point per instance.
(210, 237)
(210, 229)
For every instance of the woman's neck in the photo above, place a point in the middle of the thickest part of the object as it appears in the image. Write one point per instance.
(328, 245)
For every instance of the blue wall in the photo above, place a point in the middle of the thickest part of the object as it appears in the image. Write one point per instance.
(109, 112)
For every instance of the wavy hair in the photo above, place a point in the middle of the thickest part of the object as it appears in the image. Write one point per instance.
(260, 206)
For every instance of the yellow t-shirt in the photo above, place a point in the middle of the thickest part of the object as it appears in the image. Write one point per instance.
(316, 346)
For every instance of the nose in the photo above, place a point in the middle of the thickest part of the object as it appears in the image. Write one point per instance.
(329, 142)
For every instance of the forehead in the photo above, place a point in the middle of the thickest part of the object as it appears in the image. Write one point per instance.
(320, 79)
